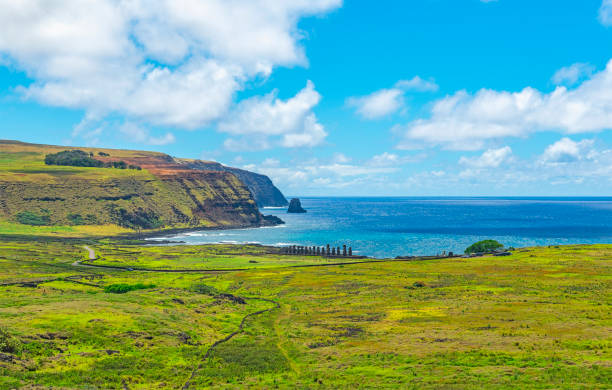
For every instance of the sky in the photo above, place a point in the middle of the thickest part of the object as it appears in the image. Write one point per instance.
(327, 97)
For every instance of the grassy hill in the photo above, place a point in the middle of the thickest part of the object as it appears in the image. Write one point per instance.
(71, 200)
(539, 319)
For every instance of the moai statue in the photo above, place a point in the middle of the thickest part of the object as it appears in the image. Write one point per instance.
(338, 251)
(344, 250)
(450, 254)
(350, 251)
(318, 251)
(328, 253)
(333, 251)
(294, 249)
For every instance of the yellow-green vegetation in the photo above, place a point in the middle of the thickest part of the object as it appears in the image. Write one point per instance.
(41, 199)
(196, 257)
(539, 319)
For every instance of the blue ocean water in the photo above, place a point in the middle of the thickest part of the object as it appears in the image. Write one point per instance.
(389, 227)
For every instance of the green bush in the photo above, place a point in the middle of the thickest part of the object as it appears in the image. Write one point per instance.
(122, 288)
(8, 343)
(33, 219)
(73, 158)
(140, 218)
(76, 219)
(484, 246)
(204, 289)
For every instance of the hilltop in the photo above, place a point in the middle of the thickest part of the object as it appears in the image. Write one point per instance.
(129, 191)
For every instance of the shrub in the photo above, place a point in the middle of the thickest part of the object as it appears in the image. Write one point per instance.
(8, 343)
(204, 289)
(119, 164)
(137, 219)
(122, 288)
(103, 154)
(76, 219)
(484, 246)
(33, 219)
(73, 158)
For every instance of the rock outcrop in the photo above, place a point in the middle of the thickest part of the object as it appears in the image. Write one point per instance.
(295, 206)
(263, 190)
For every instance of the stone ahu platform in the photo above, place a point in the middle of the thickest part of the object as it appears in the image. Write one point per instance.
(325, 251)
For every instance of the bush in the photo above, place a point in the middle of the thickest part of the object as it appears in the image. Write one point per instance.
(76, 219)
(103, 154)
(484, 246)
(122, 288)
(33, 219)
(204, 289)
(137, 219)
(8, 343)
(73, 158)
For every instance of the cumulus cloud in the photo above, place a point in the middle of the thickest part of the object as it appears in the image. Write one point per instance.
(417, 84)
(387, 159)
(334, 173)
(491, 158)
(168, 62)
(291, 121)
(605, 13)
(566, 150)
(136, 133)
(466, 121)
(384, 102)
(570, 75)
(377, 104)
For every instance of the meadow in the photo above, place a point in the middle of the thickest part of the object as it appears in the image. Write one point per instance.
(538, 319)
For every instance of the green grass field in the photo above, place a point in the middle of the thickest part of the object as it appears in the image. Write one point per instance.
(539, 319)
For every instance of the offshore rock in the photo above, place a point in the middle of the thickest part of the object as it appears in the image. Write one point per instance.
(295, 206)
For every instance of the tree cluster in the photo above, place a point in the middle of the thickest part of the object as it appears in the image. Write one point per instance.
(79, 158)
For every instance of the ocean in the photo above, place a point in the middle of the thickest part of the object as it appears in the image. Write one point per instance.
(389, 227)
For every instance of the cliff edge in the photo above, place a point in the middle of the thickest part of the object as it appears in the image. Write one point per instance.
(132, 190)
(264, 191)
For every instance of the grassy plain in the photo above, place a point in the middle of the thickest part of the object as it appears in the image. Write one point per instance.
(539, 319)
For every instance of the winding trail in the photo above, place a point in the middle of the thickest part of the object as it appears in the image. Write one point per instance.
(230, 336)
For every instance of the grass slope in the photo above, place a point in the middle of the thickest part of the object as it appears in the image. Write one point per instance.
(539, 319)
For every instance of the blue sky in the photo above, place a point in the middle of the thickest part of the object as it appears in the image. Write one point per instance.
(433, 97)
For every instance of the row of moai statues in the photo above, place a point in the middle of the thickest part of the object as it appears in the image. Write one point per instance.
(319, 251)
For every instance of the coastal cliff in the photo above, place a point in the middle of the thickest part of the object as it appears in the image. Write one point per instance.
(263, 190)
(158, 193)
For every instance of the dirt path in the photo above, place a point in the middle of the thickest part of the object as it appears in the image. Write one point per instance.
(230, 336)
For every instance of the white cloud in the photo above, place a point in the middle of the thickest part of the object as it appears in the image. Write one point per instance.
(565, 151)
(378, 104)
(341, 158)
(334, 173)
(570, 75)
(605, 13)
(388, 101)
(169, 62)
(465, 122)
(417, 84)
(136, 133)
(491, 158)
(291, 120)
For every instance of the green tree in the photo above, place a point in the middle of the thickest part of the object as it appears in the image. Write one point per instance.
(484, 246)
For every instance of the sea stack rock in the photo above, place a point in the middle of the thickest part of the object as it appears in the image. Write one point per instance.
(295, 206)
